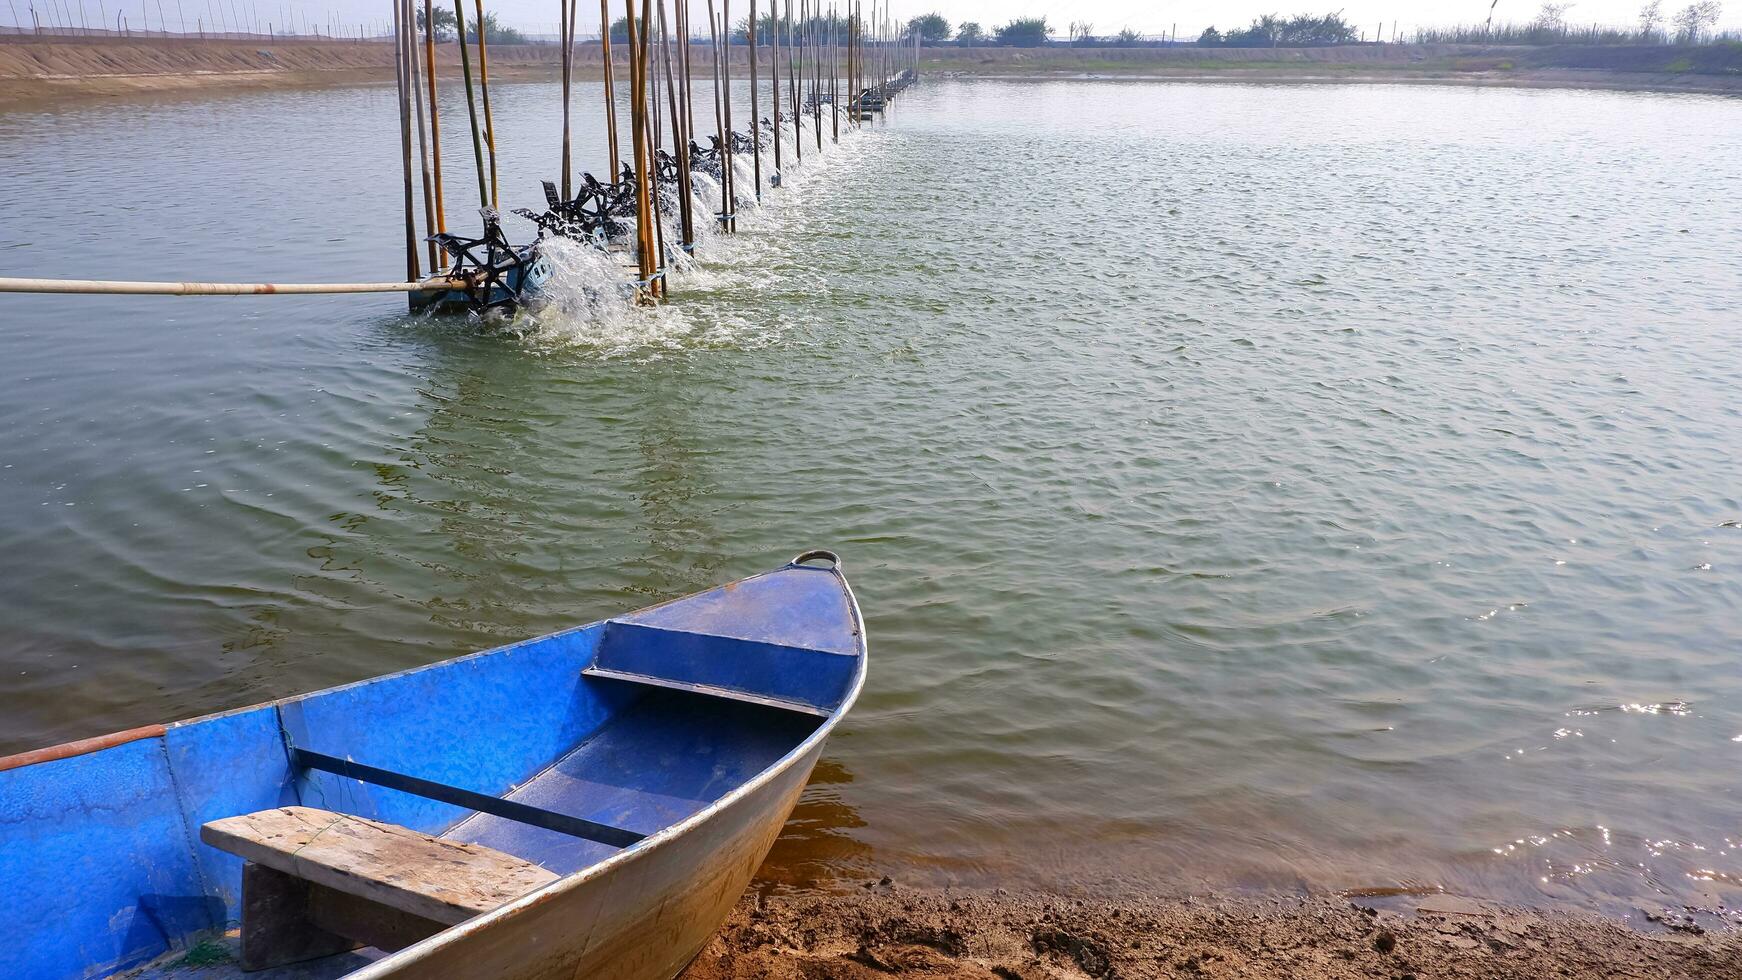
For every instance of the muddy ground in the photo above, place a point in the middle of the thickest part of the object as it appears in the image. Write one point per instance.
(885, 931)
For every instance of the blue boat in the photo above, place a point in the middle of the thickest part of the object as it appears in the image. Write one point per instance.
(586, 804)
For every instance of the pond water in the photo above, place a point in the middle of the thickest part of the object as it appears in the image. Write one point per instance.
(1279, 486)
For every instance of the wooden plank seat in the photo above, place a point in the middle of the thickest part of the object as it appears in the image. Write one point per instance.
(317, 883)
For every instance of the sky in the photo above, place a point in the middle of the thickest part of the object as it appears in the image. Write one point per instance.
(1188, 18)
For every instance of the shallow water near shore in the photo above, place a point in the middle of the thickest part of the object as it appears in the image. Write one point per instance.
(1291, 487)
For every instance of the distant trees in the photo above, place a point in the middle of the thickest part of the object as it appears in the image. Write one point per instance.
(1696, 20)
(1024, 32)
(1273, 31)
(494, 31)
(444, 24)
(1551, 18)
(1693, 24)
(932, 28)
(764, 29)
(1651, 20)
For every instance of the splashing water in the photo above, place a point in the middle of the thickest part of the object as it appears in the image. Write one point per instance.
(589, 302)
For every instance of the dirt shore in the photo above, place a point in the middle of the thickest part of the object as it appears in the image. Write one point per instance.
(884, 930)
(46, 69)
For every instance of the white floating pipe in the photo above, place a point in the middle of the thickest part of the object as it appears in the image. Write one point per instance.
(115, 287)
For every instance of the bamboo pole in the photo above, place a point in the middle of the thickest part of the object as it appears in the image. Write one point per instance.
(852, 28)
(719, 120)
(774, 79)
(835, 75)
(471, 100)
(412, 272)
(484, 89)
(859, 63)
(792, 42)
(653, 147)
(115, 287)
(413, 57)
(610, 89)
(566, 26)
(728, 167)
(435, 128)
(684, 53)
(804, 50)
(679, 139)
(755, 127)
(647, 284)
(816, 75)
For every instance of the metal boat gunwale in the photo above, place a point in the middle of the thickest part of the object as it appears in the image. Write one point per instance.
(389, 966)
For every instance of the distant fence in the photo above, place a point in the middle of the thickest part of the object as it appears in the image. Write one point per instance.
(272, 33)
(72, 20)
(273, 37)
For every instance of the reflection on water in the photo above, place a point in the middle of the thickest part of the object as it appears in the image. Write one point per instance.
(819, 846)
(1295, 487)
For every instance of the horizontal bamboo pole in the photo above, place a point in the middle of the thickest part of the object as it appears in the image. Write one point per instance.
(114, 287)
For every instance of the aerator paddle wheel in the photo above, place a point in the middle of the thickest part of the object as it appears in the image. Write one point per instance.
(490, 273)
(706, 161)
(665, 168)
(592, 215)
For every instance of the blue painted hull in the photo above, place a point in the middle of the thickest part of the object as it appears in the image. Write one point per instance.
(695, 723)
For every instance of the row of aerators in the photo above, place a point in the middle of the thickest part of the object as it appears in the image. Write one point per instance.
(819, 62)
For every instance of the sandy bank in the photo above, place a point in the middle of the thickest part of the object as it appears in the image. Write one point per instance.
(38, 69)
(887, 932)
(49, 68)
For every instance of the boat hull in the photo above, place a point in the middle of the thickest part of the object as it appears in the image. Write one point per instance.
(645, 918)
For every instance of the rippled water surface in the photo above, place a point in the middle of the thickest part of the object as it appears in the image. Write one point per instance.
(1281, 486)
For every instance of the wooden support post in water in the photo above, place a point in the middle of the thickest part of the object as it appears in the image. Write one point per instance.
(471, 101)
(413, 57)
(412, 272)
(816, 70)
(835, 73)
(792, 42)
(679, 140)
(648, 284)
(720, 136)
(653, 146)
(435, 127)
(566, 27)
(755, 127)
(610, 91)
(684, 54)
(484, 89)
(774, 79)
(816, 74)
(728, 167)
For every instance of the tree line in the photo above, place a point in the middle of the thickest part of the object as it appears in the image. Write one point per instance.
(494, 31)
(1692, 24)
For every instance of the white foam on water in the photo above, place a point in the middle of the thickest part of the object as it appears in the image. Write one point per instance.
(589, 302)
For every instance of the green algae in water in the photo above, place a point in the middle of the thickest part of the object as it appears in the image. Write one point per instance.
(210, 952)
